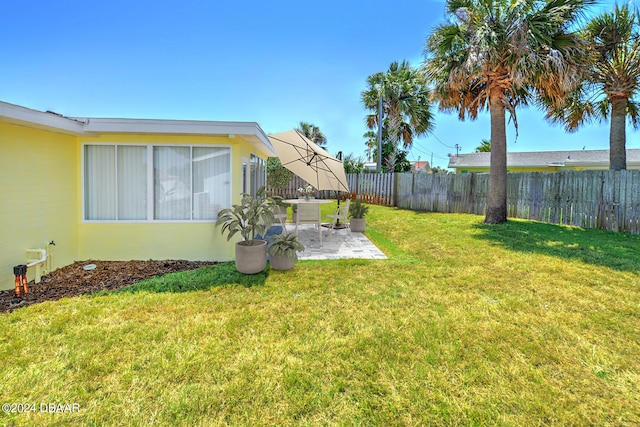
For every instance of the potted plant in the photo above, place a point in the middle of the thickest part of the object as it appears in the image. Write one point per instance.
(282, 252)
(358, 211)
(252, 217)
(306, 192)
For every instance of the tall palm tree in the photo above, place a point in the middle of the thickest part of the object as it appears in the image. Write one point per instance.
(498, 55)
(405, 103)
(613, 79)
(312, 132)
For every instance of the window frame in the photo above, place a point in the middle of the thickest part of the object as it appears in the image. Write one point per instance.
(151, 183)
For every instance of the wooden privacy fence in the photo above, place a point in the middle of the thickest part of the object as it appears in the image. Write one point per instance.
(443, 192)
(595, 199)
(377, 189)
(291, 190)
(372, 188)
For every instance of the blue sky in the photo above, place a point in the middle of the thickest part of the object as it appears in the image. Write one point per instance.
(276, 63)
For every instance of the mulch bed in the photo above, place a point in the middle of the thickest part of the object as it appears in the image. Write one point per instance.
(74, 280)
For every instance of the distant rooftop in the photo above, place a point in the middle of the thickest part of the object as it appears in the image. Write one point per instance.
(543, 158)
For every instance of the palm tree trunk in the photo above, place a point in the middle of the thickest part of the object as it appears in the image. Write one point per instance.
(617, 134)
(497, 203)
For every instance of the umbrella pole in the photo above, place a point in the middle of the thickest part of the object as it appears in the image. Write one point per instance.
(339, 226)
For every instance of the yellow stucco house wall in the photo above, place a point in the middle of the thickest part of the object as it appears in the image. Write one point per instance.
(44, 186)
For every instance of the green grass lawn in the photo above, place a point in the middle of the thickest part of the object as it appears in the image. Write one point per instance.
(522, 324)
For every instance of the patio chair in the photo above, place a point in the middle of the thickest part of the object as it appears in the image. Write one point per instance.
(280, 215)
(341, 214)
(309, 213)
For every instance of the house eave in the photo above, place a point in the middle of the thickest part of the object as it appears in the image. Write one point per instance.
(81, 126)
(17, 115)
(249, 131)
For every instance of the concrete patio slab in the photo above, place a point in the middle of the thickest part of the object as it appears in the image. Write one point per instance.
(338, 244)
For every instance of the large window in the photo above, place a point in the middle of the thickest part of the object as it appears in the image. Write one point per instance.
(144, 183)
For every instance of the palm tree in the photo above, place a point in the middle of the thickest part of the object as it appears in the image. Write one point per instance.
(613, 78)
(438, 169)
(352, 164)
(394, 159)
(405, 103)
(484, 147)
(371, 143)
(497, 55)
(312, 132)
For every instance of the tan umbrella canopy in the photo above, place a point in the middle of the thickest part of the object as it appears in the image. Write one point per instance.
(309, 161)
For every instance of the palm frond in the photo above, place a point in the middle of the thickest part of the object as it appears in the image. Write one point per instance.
(406, 102)
(634, 114)
(611, 70)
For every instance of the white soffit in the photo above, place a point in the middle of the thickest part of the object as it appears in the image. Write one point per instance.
(249, 131)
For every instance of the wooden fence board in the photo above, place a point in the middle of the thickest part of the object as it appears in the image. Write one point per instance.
(590, 199)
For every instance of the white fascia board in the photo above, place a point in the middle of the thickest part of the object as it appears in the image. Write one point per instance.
(265, 140)
(182, 127)
(177, 127)
(15, 114)
(588, 164)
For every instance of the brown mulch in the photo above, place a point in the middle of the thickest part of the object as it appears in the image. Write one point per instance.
(74, 280)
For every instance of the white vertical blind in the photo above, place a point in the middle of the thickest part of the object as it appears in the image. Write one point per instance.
(138, 182)
(172, 182)
(132, 182)
(100, 182)
(211, 181)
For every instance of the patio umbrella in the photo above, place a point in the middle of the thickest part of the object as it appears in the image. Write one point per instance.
(309, 161)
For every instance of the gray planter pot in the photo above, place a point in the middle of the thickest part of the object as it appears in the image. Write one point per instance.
(358, 224)
(251, 259)
(283, 262)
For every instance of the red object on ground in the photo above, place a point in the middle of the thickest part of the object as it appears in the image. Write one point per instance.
(20, 271)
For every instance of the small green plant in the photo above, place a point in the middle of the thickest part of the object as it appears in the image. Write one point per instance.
(357, 209)
(285, 244)
(251, 217)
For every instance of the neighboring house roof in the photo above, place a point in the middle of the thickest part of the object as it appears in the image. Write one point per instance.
(370, 165)
(421, 165)
(249, 131)
(575, 158)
